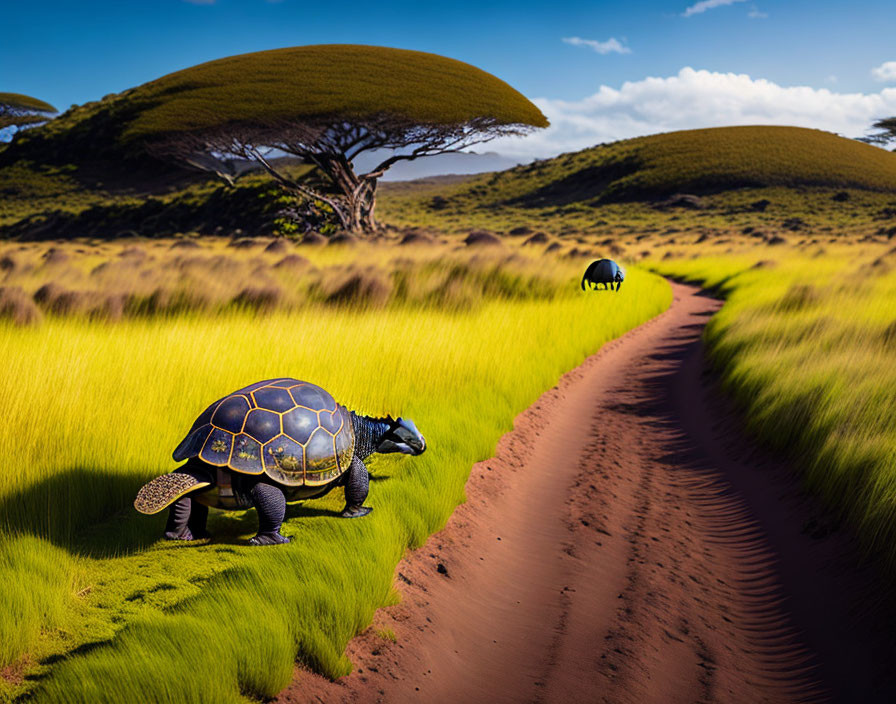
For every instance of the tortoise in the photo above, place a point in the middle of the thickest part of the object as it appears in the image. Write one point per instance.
(603, 271)
(271, 442)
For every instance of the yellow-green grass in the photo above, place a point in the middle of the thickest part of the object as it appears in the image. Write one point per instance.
(94, 410)
(38, 582)
(806, 346)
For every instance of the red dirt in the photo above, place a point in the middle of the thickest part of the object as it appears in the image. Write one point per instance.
(626, 544)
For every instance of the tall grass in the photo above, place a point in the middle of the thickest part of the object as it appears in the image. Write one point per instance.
(95, 408)
(24, 564)
(151, 279)
(806, 345)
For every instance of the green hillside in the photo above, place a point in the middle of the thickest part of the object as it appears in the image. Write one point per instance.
(834, 184)
(695, 161)
(771, 179)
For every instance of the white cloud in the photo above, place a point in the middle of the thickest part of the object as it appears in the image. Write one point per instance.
(610, 46)
(885, 72)
(755, 14)
(693, 99)
(705, 5)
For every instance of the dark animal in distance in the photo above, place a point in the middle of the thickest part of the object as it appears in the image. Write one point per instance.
(603, 271)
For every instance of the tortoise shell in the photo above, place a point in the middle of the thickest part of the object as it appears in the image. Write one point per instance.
(290, 430)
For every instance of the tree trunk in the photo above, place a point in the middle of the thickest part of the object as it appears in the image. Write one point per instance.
(357, 197)
(368, 219)
(359, 204)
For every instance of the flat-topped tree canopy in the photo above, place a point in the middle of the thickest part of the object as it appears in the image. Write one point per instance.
(18, 109)
(325, 104)
(318, 82)
(886, 132)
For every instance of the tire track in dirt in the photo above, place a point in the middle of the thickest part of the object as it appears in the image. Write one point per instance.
(626, 544)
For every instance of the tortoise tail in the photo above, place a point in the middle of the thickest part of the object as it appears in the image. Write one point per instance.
(165, 490)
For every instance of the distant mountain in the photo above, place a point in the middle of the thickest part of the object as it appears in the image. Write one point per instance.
(459, 163)
(440, 165)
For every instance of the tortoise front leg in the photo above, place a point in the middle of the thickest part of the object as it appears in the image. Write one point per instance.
(270, 504)
(357, 486)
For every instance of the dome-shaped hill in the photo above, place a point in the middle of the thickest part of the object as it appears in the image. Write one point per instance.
(323, 81)
(697, 161)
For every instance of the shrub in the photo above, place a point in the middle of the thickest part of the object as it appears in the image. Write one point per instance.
(15, 305)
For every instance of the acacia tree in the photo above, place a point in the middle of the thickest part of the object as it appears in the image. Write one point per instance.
(326, 105)
(17, 110)
(886, 132)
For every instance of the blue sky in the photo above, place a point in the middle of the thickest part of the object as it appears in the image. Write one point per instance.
(588, 65)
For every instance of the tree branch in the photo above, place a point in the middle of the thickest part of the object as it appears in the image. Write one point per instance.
(296, 186)
(331, 143)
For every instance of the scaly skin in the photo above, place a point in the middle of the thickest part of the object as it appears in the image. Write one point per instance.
(356, 487)
(187, 518)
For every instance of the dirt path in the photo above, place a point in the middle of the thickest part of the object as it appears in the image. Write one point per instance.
(626, 544)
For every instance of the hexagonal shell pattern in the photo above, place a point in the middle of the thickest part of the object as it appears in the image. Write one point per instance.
(291, 430)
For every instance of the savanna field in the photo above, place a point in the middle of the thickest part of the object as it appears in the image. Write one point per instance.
(111, 347)
(460, 341)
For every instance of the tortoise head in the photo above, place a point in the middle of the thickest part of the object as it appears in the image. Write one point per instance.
(402, 436)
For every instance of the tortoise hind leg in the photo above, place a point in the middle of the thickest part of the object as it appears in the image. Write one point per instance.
(186, 520)
(198, 520)
(356, 488)
(270, 504)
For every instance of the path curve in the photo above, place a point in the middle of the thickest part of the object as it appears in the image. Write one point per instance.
(626, 544)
